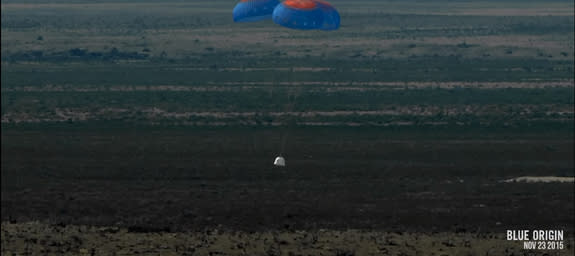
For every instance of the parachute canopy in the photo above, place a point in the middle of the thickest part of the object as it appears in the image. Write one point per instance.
(330, 15)
(295, 14)
(254, 10)
(298, 14)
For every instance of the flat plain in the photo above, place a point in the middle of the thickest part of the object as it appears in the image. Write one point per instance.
(128, 123)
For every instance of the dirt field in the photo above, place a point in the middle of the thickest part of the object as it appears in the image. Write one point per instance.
(148, 128)
(371, 178)
(81, 240)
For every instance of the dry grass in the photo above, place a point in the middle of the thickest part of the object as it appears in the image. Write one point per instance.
(317, 85)
(157, 114)
(38, 238)
(545, 179)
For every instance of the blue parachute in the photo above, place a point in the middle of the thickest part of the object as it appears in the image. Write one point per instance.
(298, 15)
(295, 14)
(254, 10)
(331, 17)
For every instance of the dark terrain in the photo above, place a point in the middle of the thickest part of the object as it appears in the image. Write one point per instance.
(164, 118)
(370, 178)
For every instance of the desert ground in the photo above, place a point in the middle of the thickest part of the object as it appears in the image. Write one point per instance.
(143, 127)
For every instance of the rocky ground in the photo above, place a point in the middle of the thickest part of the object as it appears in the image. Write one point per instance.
(34, 238)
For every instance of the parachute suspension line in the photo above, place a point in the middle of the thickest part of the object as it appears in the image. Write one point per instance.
(290, 119)
(284, 140)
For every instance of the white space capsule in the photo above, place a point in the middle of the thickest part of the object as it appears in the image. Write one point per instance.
(280, 161)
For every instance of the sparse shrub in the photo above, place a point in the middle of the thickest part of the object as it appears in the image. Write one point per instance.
(78, 52)
(344, 252)
(463, 45)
